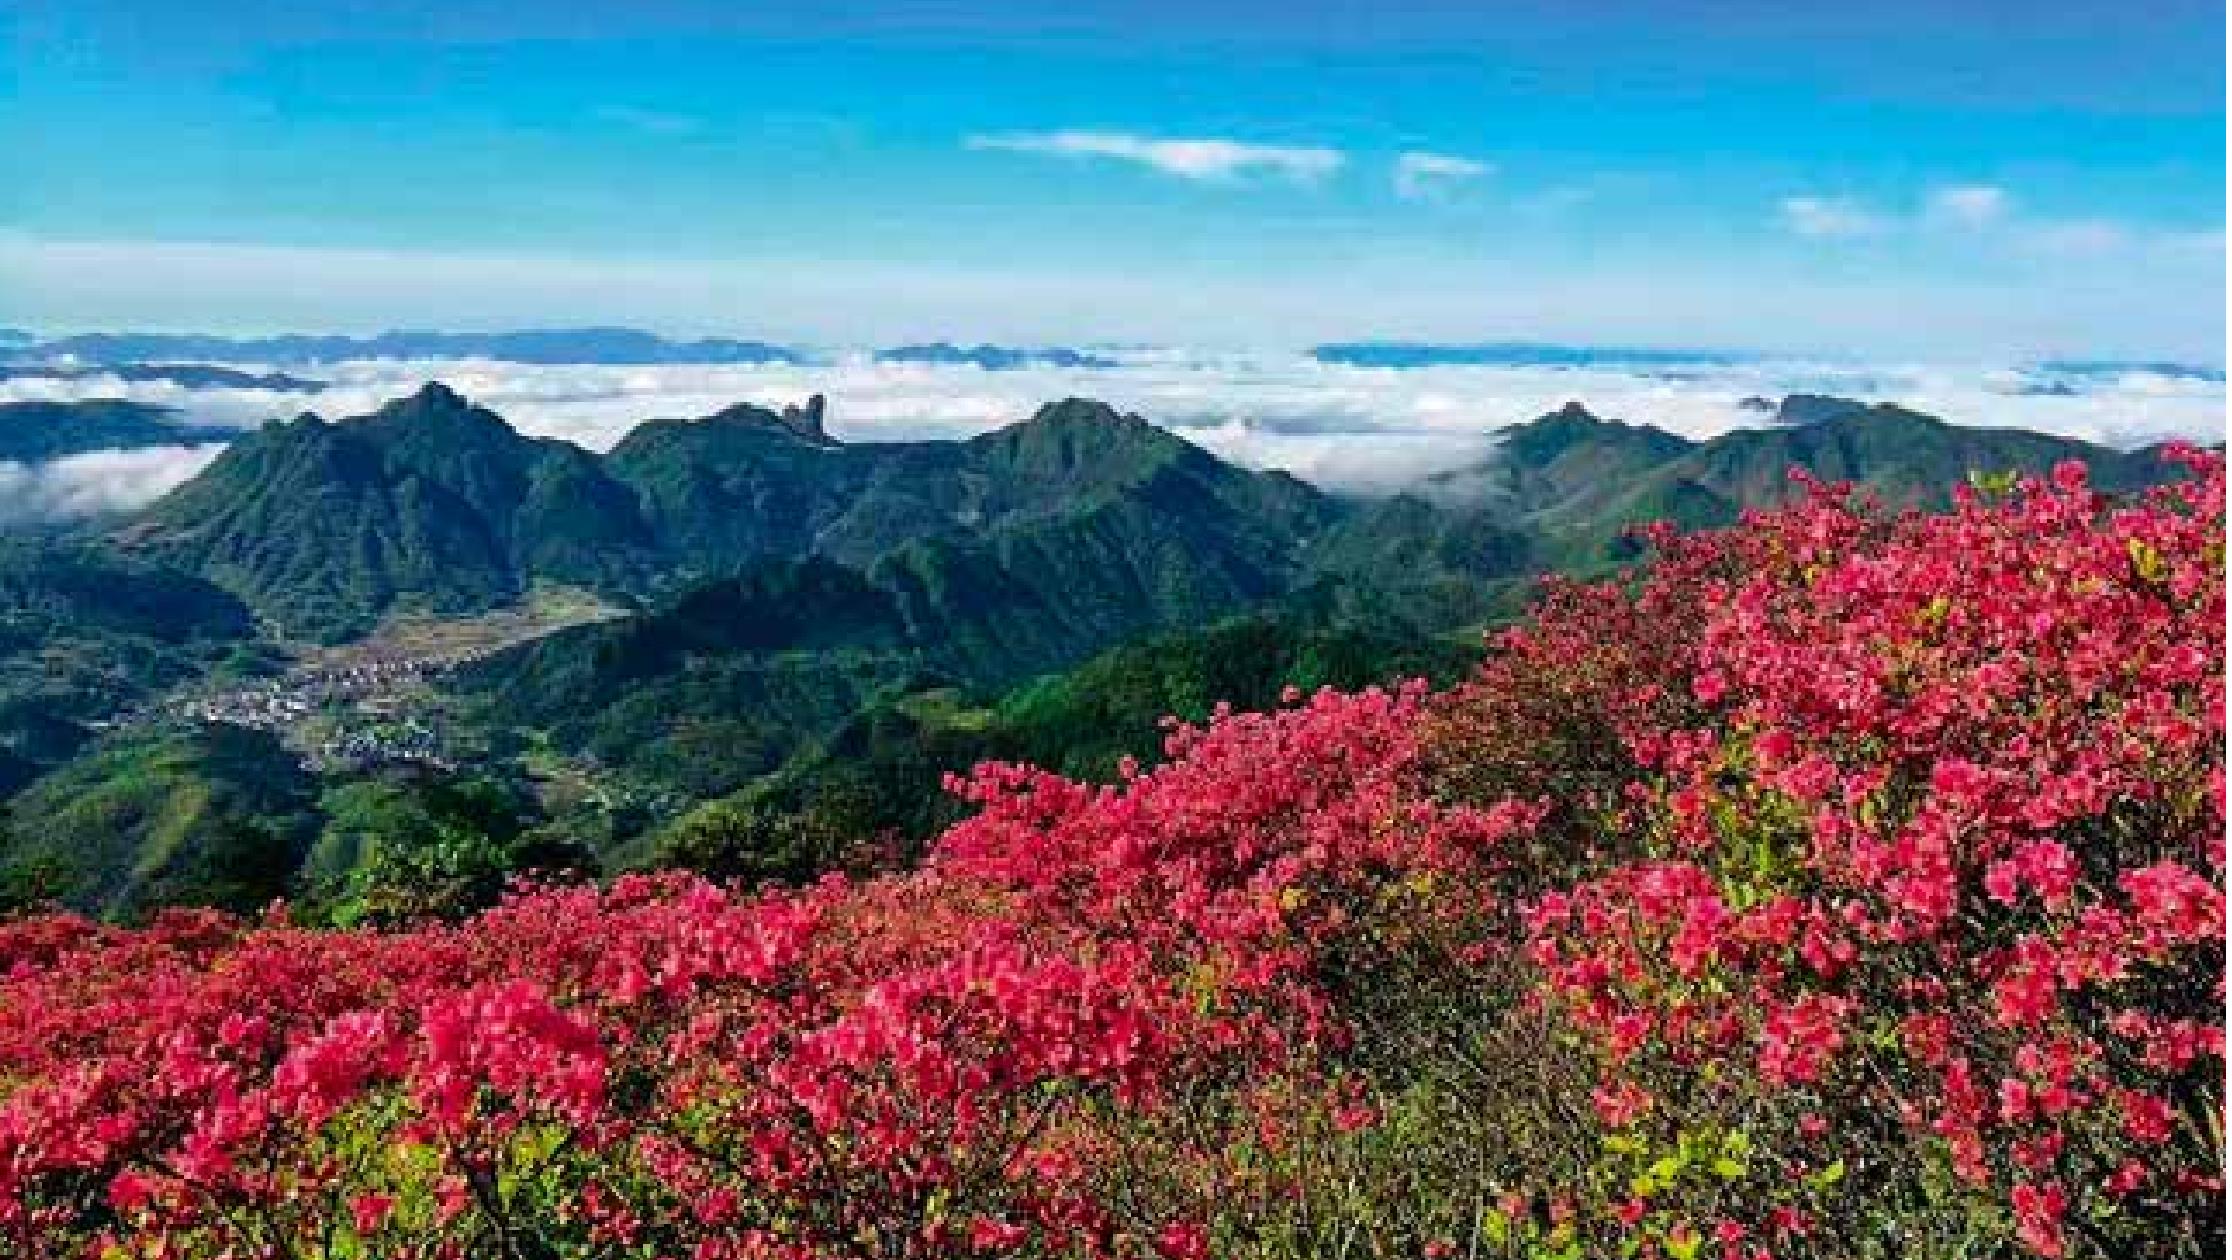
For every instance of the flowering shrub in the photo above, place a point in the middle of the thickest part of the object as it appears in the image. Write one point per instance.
(1844, 885)
(1926, 906)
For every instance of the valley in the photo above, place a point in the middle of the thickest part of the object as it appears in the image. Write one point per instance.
(377, 701)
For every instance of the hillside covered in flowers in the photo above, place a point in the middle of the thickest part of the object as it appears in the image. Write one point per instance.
(1844, 884)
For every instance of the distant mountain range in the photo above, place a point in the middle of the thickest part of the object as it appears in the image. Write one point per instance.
(2122, 367)
(187, 358)
(619, 346)
(32, 432)
(1418, 354)
(186, 375)
(994, 358)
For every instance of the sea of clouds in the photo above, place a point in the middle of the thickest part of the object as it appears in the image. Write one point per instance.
(97, 483)
(1362, 430)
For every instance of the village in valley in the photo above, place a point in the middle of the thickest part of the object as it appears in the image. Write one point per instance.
(378, 702)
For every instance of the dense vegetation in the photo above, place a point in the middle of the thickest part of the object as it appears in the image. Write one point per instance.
(215, 815)
(783, 767)
(1848, 885)
(738, 675)
(208, 814)
(84, 635)
(872, 789)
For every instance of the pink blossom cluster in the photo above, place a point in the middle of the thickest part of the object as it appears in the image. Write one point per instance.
(1939, 839)
(1873, 864)
(932, 1060)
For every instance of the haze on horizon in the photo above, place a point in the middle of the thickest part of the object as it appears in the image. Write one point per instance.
(1987, 180)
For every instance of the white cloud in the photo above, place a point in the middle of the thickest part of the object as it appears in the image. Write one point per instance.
(1830, 217)
(231, 408)
(1344, 428)
(97, 483)
(1421, 175)
(2078, 238)
(1968, 205)
(1991, 212)
(1347, 429)
(1195, 159)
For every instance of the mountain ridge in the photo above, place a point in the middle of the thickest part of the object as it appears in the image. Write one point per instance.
(435, 503)
(1582, 478)
(326, 526)
(596, 345)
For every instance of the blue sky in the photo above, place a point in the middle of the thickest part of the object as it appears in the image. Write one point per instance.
(1989, 178)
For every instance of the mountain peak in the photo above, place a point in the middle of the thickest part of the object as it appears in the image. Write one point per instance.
(436, 394)
(1074, 412)
(1804, 409)
(430, 399)
(1829, 412)
(1571, 423)
(1078, 434)
(1549, 436)
(805, 423)
(439, 410)
(1094, 423)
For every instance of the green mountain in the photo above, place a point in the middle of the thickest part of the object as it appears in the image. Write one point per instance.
(1091, 523)
(749, 482)
(547, 508)
(875, 779)
(794, 578)
(1568, 468)
(1405, 561)
(716, 688)
(1907, 458)
(1013, 553)
(979, 563)
(1575, 481)
(31, 432)
(84, 634)
(429, 504)
(221, 816)
(213, 816)
(49, 587)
